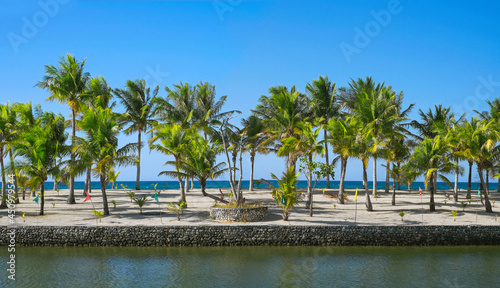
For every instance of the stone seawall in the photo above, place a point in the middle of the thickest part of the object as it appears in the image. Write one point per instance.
(252, 235)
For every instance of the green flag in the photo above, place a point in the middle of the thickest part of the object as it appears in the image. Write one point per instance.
(155, 196)
(478, 191)
(36, 199)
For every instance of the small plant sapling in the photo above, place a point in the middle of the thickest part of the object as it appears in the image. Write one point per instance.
(141, 202)
(24, 215)
(54, 204)
(99, 214)
(176, 207)
(496, 216)
(454, 213)
(257, 183)
(376, 196)
(469, 200)
(463, 206)
(493, 202)
(402, 214)
(114, 204)
(131, 195)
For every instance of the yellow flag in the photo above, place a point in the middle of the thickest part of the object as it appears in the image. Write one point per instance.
(356, 195)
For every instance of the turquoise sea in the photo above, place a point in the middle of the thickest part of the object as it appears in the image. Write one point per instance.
(162, 185)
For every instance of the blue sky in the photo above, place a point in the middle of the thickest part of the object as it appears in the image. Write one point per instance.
(435, 51)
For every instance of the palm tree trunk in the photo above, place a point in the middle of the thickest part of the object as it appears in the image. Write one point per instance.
(487, 203)
(309, 188)
(204, 193)
(3, 205)
(138, 177)
(368, 203)
(71, 196)
(393, 189)
(104, 197)
(432, 206)
(469, 181)
(186, 184)
(14, 178)
(326, 157)
(387, 176)
(192, 183)
(374, 176)
(343, 165)
(252, 162)
(42, 197)
(240, 197)
(498, 185)
(88, 181)
(397, 177)
(487, 186)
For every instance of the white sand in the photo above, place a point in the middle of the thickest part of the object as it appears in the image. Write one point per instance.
(197, 213)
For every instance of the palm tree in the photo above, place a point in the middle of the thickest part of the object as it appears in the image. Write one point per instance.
(324, 106)
(362, 149)
(466, 129)
(200, 162)
(101, 127)
(429, 159)
(66, 83)
(481, 149)
(345, 132)
(282, 112)
(39, 152)
(432, 122)
(139, 111)
(378, 109)
(8, 133)
(208, 113)
(307, 145)
(255, 141)
(174, 140)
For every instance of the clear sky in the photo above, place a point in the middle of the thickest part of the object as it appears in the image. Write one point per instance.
(435, 51)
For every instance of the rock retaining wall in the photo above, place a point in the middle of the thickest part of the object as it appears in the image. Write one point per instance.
(251, 235)
(250, 214)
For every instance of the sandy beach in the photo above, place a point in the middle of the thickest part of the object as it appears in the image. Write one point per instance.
(326, 210)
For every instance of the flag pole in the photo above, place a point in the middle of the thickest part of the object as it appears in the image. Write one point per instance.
(421, 204)
(155, 196)
(356, 209)
(93, 207)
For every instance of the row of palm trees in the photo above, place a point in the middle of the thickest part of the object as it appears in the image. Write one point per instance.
(365, 120)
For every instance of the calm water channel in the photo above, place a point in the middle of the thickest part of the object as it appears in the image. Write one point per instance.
(254, 267)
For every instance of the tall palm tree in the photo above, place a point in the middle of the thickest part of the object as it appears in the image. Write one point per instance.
(101, 127)
(324, 106)
(362, 147)
(200, 162)
(378, 109)
(255, 141)
(66, 83)
(8, 133)
(429, 159)
(39, 153)
(282, 113)
(343, 133)
(466, 129)
(482, 150)
(307, 145)
(139, 111)
(174, 140)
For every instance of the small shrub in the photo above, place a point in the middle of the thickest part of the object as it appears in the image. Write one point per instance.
(99, 214)
(24, 214)
(463, 206)
(131, 195)
(454, 213)
(114, 204)
(54, 204)
(493, 202)
(176, 207)
(402, 214)
(141, 202)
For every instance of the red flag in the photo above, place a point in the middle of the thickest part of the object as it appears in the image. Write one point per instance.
(88, 197)
(420, 190)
